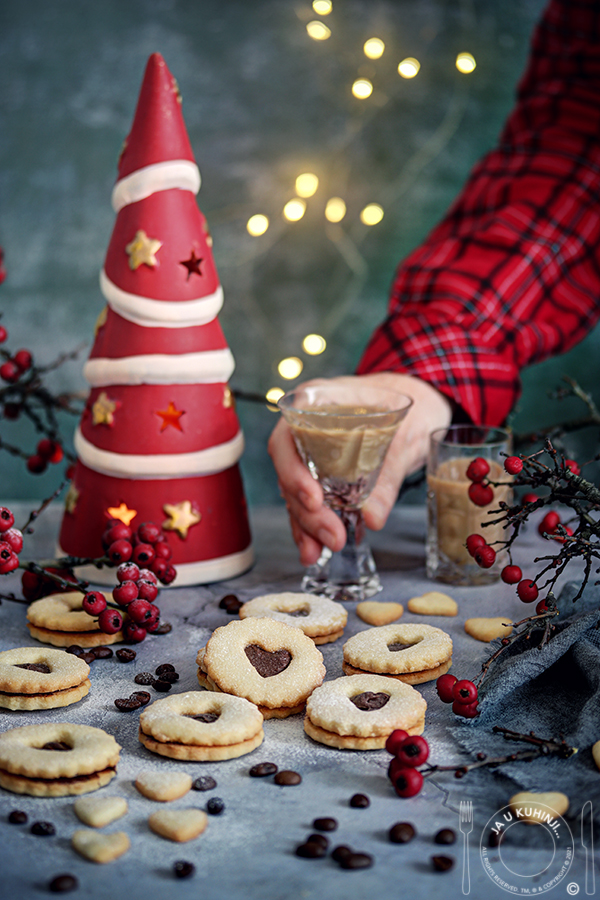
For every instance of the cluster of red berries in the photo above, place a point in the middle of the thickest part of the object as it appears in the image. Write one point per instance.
(135, 593)
(480, 491)
(12, 369)
(11, 542)
(462, 694)
(409, 751)
(146, 547)
(485, 557)
(47, 451)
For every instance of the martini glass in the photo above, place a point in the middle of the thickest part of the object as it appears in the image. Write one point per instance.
(342, 434)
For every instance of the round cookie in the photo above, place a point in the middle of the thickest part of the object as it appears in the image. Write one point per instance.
(318, 617)
(60, 620)
(201, 726)
(271, 664)
(413, 653)
(41, 678)
(57, 759)
(361, 711)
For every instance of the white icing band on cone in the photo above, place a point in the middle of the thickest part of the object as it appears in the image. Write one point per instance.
(163, 466)
(164, 176)
(203, 572)
(161, 313)
(207, 367)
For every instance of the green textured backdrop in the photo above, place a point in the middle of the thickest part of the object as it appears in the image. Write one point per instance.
(263, 102)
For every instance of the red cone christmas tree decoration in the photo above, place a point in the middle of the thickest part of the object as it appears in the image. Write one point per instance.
(160, 440)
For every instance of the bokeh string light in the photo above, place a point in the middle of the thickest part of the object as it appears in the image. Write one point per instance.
(465, 63)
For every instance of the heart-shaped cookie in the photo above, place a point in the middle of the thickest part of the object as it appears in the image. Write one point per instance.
(533, 807)
(179, 825)
(98, 811)
(267, 662)
(163, 786)
(98, 847)
(373, 612)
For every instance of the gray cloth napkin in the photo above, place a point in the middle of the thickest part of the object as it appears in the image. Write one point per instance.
(553, 691)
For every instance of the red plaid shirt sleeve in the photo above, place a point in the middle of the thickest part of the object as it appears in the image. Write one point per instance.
(511, 275)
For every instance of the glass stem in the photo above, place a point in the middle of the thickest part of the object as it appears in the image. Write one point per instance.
(353, 522)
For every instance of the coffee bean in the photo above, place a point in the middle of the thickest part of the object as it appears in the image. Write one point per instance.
(74, 649)
(230, 604)
(43, 829)
(445, 836)
(61, 884)
(204, 783)
(359, 801)
(161, 686)
(183, 869)
(18, 817)
(342, 851)
(318, 839)
(126, 654)
(442, 863)
(163, 628)
(310, 850)
(326, 823)
(164, 667)
(171, 677)
(287, 777)
(357, 861)
(87, 656)
(262, 769)
(127, 704)
(215, 806)
(102, 652)
(401, 833)
(143, 696)
(144, 678)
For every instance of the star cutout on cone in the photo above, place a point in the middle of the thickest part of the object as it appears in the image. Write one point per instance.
(103, 410)
(142, 250)
(122, 513)
(192, 265)
(181, 517)
(228, 398)
(71, 499)
(170, 416)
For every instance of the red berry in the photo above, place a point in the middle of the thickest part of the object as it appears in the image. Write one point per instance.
(70, 473)
(31, 585)
(8, 562)
(45, 448)
(466, 710)
(485, 557)
(128, 571)
(392, 745)
(413, 751)
(511, 574)
(542, 607)
(37, 464)
(444, 686)
(148, 533)
(159, 568)
(477, 469)
(549, 523)
(94, 603)
(464, 691)
(394, 769)
(152, 624)
(7, 520)
(110, 621)
(140, 611)
(473, 542)
(143, 554)
(118, 532)
(119, 551)
(529, 498)
(480, 494)
(12, 410)
(3, 331)
(162, 550)
(527, 590)
(125, 592)
(23, 359)
(408, 782)
(57, 454)
(170, 575)
(573, 466)
(513, 465)
(147, 590)
(9, 371)
(147, 575)
(14, 537)
(133, 632)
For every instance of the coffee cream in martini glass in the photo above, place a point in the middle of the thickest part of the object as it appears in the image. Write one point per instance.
(342, 435)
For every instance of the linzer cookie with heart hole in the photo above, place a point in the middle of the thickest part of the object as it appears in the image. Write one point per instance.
(361, 711)
(411, 653)
(60, 620)
(273, 665)
(319, 618)
(41, 678)
(201, 726)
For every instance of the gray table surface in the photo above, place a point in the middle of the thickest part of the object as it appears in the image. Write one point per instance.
(248, 851)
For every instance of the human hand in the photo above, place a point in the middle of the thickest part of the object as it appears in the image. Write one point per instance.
(314, 524)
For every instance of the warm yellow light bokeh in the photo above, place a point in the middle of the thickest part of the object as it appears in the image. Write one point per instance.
(257, 225)
(362, 88)
(290, 367)
(335, 209)
(306, 184)
(273, 394)
(322, 7)
(294, 209)
(374, 48)
(313, 344)
(371, 214)
(409, 67)
(318, 31)
(465, 63)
